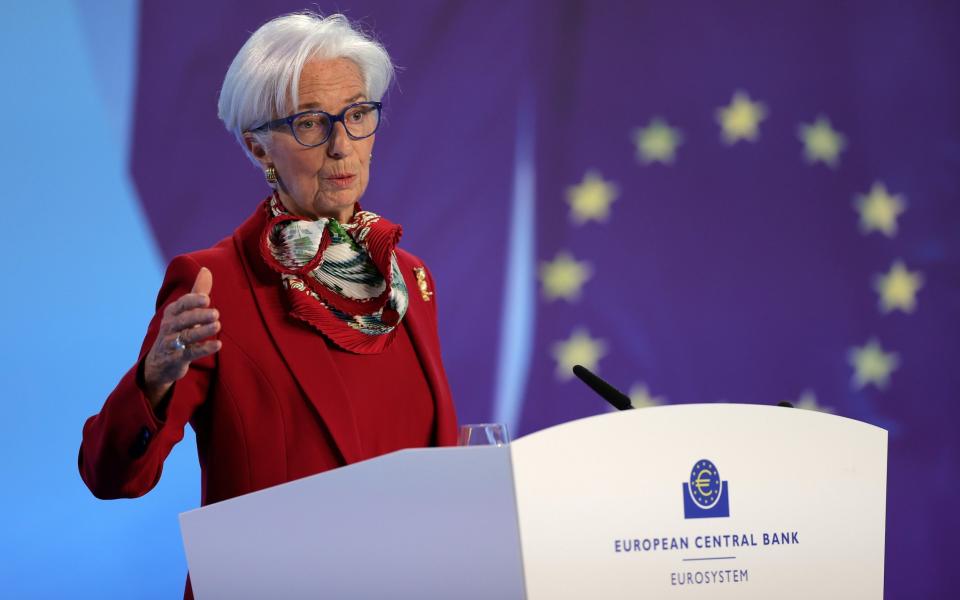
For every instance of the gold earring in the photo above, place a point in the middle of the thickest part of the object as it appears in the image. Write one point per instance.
(271, 175)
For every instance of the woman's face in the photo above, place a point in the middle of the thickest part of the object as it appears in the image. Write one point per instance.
(326, 180)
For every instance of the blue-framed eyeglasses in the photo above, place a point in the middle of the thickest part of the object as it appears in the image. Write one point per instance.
(313, 127)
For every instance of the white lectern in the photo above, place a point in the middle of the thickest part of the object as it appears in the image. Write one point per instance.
(687, 501)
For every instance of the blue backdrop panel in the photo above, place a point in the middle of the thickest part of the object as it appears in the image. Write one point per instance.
(79, 277)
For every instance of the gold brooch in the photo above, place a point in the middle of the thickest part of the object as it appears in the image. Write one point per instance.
(421, 274)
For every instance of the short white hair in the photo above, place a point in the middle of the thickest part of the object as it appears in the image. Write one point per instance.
(263, 79)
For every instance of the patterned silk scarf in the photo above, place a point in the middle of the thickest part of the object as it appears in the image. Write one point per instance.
(342, 279)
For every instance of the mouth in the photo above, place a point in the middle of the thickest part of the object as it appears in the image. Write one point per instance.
(342, 180)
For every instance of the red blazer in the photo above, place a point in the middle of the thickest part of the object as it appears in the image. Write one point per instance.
(268, 408)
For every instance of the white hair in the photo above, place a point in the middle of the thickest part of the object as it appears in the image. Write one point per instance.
(263, 79)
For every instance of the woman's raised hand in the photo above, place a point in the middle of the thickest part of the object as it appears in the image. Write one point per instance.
(186, 323)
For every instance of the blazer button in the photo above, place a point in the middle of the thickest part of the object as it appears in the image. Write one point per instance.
(140, 443)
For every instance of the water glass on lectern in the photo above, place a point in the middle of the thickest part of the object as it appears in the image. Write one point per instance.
(483, 434)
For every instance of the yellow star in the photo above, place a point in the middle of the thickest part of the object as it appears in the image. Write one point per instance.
(657, 142)
(578, 349)
(808, 401)
(591, 198)
(872, 365)
(563, 277)
(821, 142)
(741, 119)
(879, 210)
(898, 288)
(640, 396)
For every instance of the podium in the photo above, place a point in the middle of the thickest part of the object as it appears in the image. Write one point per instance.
(684, 501)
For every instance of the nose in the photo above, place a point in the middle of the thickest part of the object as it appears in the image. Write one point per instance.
(339, 144)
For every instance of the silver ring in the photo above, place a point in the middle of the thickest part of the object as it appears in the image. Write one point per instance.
(178, 343)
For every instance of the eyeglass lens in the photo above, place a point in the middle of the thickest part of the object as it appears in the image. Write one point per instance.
(360, 120)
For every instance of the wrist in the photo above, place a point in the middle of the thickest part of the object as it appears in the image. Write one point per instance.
(155, 393)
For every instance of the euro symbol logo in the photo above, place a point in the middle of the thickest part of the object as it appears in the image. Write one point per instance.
(705, 495)
(702, 483)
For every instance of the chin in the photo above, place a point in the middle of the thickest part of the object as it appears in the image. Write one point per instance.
(329, 206)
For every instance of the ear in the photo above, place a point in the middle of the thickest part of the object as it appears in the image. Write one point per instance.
(258, 150)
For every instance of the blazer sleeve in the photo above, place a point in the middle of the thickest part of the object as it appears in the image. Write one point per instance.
(125, 444)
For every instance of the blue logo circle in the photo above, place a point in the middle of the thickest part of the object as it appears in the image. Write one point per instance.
(705, 486)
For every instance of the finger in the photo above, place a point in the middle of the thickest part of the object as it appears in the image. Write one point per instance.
(186, 302)
(192, 318)
(195, 334)
(167, 346)
(197, 351)
(203, 283)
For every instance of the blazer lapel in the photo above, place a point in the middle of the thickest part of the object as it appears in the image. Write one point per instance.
(303, 349)
(422, 327)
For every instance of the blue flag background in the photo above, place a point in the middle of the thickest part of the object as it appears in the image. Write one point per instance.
(703, 202)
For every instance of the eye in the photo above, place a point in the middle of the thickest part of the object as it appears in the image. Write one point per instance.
(309, 122)
(359, 113)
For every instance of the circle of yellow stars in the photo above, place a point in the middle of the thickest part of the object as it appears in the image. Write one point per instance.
(658, 142)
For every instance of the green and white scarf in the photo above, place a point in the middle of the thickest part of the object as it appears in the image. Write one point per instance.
(342, 279)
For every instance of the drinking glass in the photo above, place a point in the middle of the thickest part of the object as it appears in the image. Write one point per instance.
(483, 434)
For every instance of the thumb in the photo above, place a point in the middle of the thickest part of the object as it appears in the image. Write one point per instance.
(203, 283)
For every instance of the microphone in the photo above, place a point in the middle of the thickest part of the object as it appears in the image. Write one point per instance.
(618, 399)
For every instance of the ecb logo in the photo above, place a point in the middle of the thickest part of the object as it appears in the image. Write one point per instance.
(705, 495)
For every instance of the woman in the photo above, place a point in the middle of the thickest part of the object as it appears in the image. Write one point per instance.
(307, 340)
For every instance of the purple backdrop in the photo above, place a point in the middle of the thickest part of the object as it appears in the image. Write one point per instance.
(733, 272)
